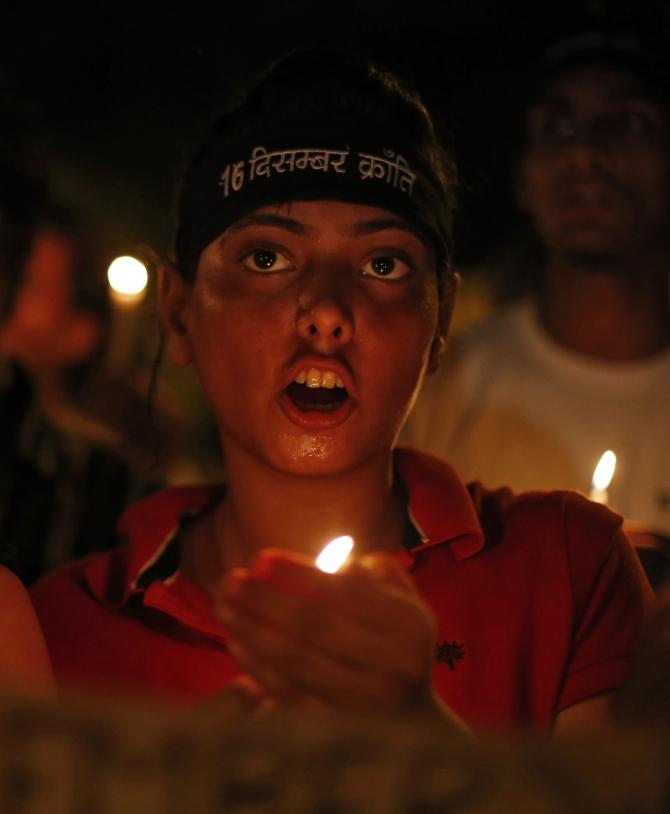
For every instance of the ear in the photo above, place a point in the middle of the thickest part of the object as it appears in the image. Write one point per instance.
(445, 313)
(174, 297)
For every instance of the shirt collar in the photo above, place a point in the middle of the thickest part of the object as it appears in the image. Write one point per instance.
(439, 506)
(440, 510)
(149, 527)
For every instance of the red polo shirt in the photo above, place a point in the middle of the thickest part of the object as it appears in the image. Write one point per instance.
(538, 599)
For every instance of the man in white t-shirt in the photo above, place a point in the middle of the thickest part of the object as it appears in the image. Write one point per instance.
(535, 396)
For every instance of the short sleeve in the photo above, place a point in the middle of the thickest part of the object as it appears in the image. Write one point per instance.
(610, 597)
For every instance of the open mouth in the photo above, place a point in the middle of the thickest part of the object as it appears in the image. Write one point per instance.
(316, 399)
(314, 390)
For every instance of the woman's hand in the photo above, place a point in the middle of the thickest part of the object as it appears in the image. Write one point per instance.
(359, 641)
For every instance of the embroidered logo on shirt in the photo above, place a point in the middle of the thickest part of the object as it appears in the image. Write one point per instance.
(449, 653)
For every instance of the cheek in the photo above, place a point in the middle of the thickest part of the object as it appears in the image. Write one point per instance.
(231, 348)
(647, 177)
(402, 344)
(535, 179)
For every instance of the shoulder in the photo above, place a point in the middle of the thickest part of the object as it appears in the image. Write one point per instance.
(571, 550)
(561, 520)
(571, 510)
(107, 578)
(567, 514)
(55, 592)
(563, 536)
(76, 619)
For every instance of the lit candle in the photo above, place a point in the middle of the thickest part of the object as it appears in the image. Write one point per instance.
(127, 278)
(334, 554)
(602, 476)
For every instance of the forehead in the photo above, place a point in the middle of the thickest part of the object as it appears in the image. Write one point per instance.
(315, 217)
(594, 84)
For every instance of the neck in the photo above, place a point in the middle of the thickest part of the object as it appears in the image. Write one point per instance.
(265, 508)
(609, 310)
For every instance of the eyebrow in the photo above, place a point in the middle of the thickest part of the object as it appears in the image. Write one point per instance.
(290, 224)
(369, 227)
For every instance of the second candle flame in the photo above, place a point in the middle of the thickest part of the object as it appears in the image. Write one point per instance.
(602, 477)
(605, 470)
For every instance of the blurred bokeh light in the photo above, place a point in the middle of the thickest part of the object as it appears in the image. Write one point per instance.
(127, 276)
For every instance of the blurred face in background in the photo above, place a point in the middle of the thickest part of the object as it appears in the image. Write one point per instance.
(594, 175)
(45, 331)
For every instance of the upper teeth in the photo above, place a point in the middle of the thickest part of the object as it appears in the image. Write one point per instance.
(319, 378)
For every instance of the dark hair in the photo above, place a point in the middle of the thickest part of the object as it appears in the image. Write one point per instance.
(340, 94)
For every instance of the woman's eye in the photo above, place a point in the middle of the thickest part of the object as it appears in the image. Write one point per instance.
(265, 260)
(385, 267)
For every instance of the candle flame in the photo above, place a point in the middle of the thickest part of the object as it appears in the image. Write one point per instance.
(602, 475)
(334, 554)
(127, 276)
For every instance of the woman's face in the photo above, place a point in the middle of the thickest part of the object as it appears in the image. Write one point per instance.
(311, 325)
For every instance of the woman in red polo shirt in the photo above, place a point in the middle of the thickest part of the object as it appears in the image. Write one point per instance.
(311, 288)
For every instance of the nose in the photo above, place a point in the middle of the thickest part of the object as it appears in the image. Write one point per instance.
(586, 149)
(324, 318)
(580, 158)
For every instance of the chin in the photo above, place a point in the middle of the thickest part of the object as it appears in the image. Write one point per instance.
(316, 455)
(589, 243)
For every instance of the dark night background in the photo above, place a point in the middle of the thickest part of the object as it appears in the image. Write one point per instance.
(111, 94)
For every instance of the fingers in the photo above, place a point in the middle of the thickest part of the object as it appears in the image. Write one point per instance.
(349, 640)
(369, 590)
(368, 627)
(259, 672)
(291, 672)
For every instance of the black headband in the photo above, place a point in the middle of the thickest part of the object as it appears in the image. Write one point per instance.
(229, 182)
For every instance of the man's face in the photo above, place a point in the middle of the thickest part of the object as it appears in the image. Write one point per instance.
(595, 171)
